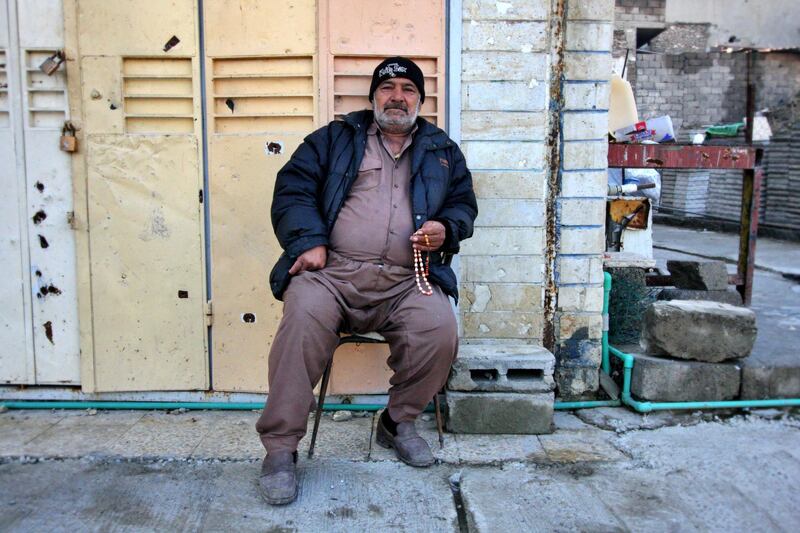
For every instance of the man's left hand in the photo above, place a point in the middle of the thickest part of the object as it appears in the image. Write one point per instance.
(430, 237)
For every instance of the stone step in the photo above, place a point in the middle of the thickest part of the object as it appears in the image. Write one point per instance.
(502, 368)
(500, 412)
(661, 379)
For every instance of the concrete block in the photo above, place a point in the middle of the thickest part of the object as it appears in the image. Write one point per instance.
(503, 212)
(487, 66)
(528, 95)
(698, 330)
(590, 10)
(579, 326)
(506, 155)
(576, 379)
(503, 325)
(502, 126)
(587, 66)
(505, 241)
(581, 212)
(523, 297)
(585, 155)
(579, 269)
(582, 240)
(527, 10)
(584, 299)
(509, 184)
(524, 36)
(502, 368)
(762, 382)
(699, 275)
(659, 379)
(589, 36)
(586, 95)
(581, 184)
(730, 297)
(500, 412)
(504, 269)
(585, 125)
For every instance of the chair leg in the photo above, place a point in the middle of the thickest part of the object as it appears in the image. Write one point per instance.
(439, 427)
(318, 413)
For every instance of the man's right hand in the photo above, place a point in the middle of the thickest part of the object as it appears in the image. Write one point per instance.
(313, 259)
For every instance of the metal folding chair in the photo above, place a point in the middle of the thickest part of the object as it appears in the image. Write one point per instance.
(367, 338)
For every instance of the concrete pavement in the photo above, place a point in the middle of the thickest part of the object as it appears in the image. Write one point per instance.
(606, 469)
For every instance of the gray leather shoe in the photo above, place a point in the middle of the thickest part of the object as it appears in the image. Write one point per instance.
(408, 445)
(278, 481)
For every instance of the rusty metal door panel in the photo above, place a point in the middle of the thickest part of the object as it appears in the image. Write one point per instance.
(355, 35)
(262, 101)
(136, 27)
(147, 297)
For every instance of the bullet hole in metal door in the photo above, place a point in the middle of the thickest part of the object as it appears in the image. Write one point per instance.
(43, 242)
(274, 147)
(230, 103)
(39, 186)
(39, 216)
(49, 289)
(112, 107)
(173, 41)
(48, 331)
(249, 318)
(183, 294)
(38, 273)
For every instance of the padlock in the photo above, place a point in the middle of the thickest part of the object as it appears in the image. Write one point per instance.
(68, 141)
(51, 64)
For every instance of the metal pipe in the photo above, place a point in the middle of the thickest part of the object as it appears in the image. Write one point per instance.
(646, 407)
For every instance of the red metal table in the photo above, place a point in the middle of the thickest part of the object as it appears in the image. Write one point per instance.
(676, 156)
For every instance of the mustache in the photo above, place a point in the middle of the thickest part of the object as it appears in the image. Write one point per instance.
(397, 105)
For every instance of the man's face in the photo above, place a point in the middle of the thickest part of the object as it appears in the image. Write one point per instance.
(396, 105)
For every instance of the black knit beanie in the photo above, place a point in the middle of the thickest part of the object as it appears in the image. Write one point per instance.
(398, 67)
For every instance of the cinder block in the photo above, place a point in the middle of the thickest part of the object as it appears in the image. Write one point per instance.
(506, 95)
(511, 184)
(586, 95)
(585, 155)
(519, 155)
(587, 66)
(512, 212)
(502, 368)
(659, 379)
(589, 36)
(500, 412)
(502, 125)
(502, 66)
(503, 325)
(762, 382)
(527, 10)
(585, 125)
(576, 379)
(504, 36)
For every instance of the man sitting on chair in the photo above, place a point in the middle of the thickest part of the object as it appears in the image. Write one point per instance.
(365, 211)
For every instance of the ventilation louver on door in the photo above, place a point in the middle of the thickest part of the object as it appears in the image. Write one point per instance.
(45, 96)
(4, 120)
(158, 95)
(352, 76)
(254, 94)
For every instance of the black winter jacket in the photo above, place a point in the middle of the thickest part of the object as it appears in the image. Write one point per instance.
(311, 188)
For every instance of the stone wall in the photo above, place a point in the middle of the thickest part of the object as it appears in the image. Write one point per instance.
(534, 114)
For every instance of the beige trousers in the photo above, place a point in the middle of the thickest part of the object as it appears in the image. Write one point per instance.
(355, 297)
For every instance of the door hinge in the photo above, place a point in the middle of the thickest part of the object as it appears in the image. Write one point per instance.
(209, 313)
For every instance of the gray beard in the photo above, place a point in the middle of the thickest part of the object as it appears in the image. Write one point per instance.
(389, 124)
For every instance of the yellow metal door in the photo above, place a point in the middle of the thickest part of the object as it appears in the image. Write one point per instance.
(355, 35)
(261, 101)
(140, 99)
